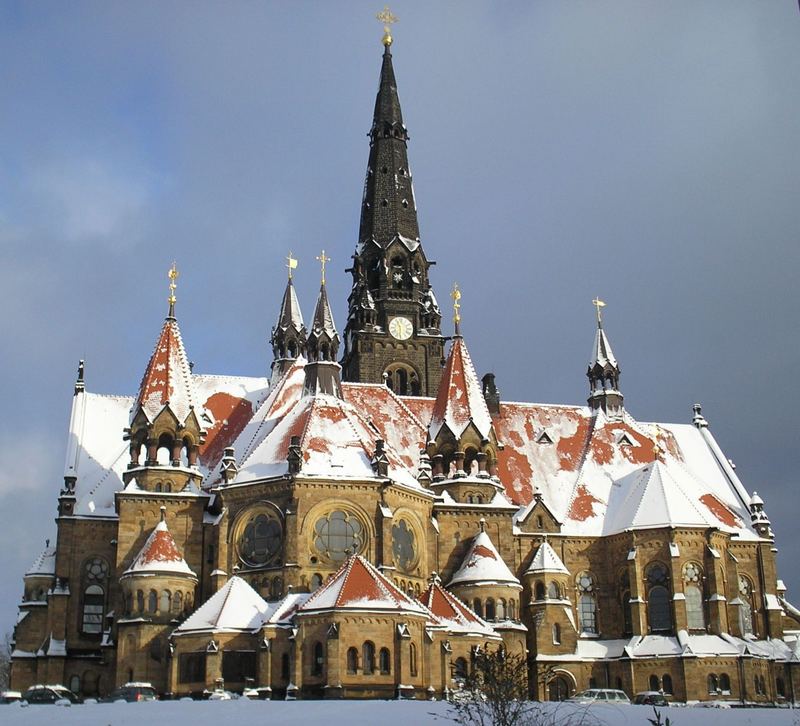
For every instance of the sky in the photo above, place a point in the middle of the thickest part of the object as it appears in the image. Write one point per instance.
(645, 152)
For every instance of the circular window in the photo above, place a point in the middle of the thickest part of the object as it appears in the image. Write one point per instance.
(260, 539)
(338, 535)
(403, 547)
(96, 569)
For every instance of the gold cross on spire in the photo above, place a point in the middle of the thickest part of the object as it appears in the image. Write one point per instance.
(291, 264)
(599, 304)
(322, 259)
(456, 295)
(386, 17)
(172, 275)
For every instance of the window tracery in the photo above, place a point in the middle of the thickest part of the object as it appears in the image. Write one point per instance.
(338, 534)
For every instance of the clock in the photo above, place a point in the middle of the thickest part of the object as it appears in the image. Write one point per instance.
(401, 328)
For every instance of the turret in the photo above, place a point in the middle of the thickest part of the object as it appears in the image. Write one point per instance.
(167, 424)
(323, 373)
(603, 372)
(289, 334)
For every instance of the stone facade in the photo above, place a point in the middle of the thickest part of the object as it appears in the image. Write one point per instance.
(204, 523)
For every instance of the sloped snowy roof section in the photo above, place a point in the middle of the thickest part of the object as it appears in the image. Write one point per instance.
(483, 564)
(159, 554)
(235, 607)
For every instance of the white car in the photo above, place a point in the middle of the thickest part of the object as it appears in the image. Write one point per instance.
(600, 695)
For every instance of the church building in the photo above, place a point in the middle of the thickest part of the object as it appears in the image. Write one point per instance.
(359, 522)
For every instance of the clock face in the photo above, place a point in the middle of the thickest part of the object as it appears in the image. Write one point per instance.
(401, 328)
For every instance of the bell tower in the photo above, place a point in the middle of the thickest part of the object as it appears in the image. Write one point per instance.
(393, 330)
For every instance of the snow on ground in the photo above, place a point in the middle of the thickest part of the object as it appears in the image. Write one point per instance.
(351, 713)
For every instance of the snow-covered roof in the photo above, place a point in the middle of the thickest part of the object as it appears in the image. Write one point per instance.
(453, 614)
(483, 564)
(459, 401)
(657, 496)
(159, 554)
(167, 380)
(235, 607)
(359, 586)
(44, 564)
(546, 560)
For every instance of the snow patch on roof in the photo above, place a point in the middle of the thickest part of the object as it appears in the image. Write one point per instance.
(44, 564)
(235, 607)
(546, 560)
(483, 563)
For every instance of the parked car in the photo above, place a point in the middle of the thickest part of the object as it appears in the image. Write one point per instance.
(59, 695)
(712, 704)
(600, 695)
(650, 698)
(10, 696)
(132, 693)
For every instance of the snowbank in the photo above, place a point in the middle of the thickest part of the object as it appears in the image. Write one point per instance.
(351, 713)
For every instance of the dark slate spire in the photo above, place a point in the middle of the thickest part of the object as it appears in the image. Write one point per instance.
(388, 209)
(603, 371)
(289, 334)
(323, 373)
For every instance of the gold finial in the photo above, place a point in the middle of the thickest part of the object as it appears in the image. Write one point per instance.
(322, 259)
(291, 264)
(386, 17)
(599, 304)
(172, 275)
(456, 295)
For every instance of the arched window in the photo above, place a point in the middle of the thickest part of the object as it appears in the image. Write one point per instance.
(745, 606)
(556, 634)
(316, 581)
(318, 659)
(658, 598)
(128, 604)
(412, 659)
(285, 666)
(177, 602)
(75, 684)
(276, 588)
(95, 573)
(666, 683)
(490, 612)
(692, 588)
(477, 607)
(384, 661)
(654, 684)
(713, 683)
(538, 591)
(460, 669)
(352, 660)
(763, 685)
(725, 683)
(780, 688)
(552, 591)
(512, 610)
(587, 604)
(166, 601)
(368, 658)
(140, 601)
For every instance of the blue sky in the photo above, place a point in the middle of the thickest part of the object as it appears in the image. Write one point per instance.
(645, 152)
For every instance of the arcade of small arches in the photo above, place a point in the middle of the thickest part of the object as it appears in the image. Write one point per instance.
(402, 379)
(494, 609)
(164, 449)
(159, 602)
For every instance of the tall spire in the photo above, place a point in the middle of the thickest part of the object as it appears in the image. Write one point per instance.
(388, 210)
(289, 334)
(393, 330)
(603, 371)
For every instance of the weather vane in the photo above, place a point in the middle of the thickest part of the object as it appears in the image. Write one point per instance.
(322, 259)
(456, 295)
(173, 275)
(291, 264)
(598, 303)
(386, 17)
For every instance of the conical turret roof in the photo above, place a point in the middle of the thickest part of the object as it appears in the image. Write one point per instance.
(453, 613)
(322, 321)
(546, 560)
(459, 400)
(483, 564)
(290, 315)
(167, 380)
(359, 586)
(160, 554)
(602, 355)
